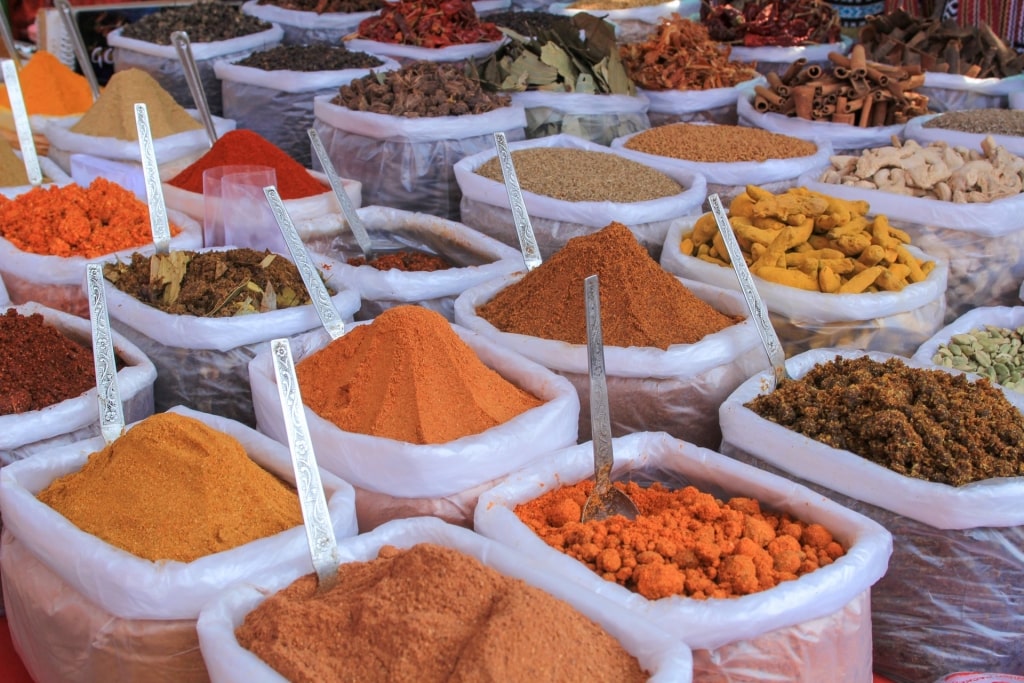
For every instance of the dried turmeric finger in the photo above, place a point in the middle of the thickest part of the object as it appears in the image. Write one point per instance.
(893, 279)
(906, 258)
(828, 281)
(862, 280)
(872, 255)
(686, 246)
(712, 259)
(768, 223)
(720, 248)
(742, 205)
(853, 245)
(880, 234)
(785, 276)
(758, 194)
(744, 228)
(704, 229)
(854, 226)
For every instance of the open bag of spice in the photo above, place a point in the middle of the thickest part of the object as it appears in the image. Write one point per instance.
(729, 157)
(674, 349)
(963, 204)
(419, 414)
(970, 128)
(933, 455)
(43, 259)
(309, 22)
(215, 30)
(400, 132)
(49, 380)
(14, 177)
(202, 315)
(271, 92)
(835, 279)
(572, 188)
(109, 552)
(633, 19)
(422, 260)
(751, 571)
(478, 597)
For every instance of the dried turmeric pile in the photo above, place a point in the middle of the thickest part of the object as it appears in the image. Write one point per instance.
(683, 542)
(811, 241)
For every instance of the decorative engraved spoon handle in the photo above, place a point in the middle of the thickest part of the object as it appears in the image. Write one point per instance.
(111, 412)
(527, 240)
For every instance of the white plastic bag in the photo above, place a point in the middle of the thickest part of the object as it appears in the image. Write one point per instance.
(778, 58)
(595, 118)
(4, 299)
(714, 105)
(278, 104)
(815, 628)
(953, 92)
(51, 173)
(729, 179)
(188, 145)
(76, 419)
(57, 281)
(202, 362)
(915, 130)
(677, 390)
(983, 243)
(453, 471)
(485, 204)
(843, 136)
(1007, 317)
(664, 657)
(633, 24)
(306, 28)
(950, 599)
(162, 62)
(81, 609)
(475, 258)
(891, 321)
(406, 163)
(407, 54)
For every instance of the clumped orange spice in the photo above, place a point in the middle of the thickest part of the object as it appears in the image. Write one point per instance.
(683, 542)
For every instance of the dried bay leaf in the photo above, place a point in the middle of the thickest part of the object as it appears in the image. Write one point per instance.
(558, 58)
(166, 272)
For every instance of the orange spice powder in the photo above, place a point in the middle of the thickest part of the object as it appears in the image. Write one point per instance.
(683, 542)
(408, 376)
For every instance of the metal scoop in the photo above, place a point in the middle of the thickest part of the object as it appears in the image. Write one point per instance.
(758, 311)
(195, 83)
(158, 222)
(527, 240)
(21, 123)
(605, 500)
(111, 411)
(81, 54)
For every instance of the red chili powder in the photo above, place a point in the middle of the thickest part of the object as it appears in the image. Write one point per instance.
(246, 148)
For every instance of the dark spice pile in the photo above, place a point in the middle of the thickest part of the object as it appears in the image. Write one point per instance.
(213, 284)
(327, 6)
(641, 303)
(981, 121)
(309, 58)
(409, 261)
(39, 366)
(420, 89)
(205, 22)
(926, 424)
(530, 23)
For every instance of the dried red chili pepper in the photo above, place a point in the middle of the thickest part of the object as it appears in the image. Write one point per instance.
(771, 22)
(428, 23)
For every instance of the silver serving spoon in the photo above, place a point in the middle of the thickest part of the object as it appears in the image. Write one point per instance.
(195, 83)
(347, 209)
(111, 412)
(321, 298)
(527, 240)
(21, 123)
(323, 546)
(755, 305)
(154, 190)
(605, 500)
(81, 54)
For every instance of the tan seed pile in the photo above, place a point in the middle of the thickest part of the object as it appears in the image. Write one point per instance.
(718, 143)
(579, 175)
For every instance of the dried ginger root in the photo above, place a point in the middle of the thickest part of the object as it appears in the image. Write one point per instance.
(811, 241)
(934, 171)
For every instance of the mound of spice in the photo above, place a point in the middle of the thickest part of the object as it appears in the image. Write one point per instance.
(926, 424)
(50, 88)
(76, 221)
(612, 4)
(530, 22)
(409, 261)
(205, 22)
(981, 121)
(12, 169)
(317, 57)
(113, 113)
(420, 89)
(759, 23)
(682, 542)
(428, 23)
(430, 614)
(579, 175)
(173, 488)
(211, 284)
(680, 55)
(641, 303)
(39, 365)
(243, 147)
(717, 143)
(408, 376)
(327, 6)
(991, 351)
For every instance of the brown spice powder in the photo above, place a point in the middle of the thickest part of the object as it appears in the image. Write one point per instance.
(683, 542)
(718, 143)
(641, 303)
(921, 423)
(173, 488)
(430, 614)
(408, 376)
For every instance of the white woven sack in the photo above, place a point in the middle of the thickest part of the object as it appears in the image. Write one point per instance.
(407, 54)
(305, 28)
(593, 117)
(715, 105)
(953, 92)
(778, 58)
(915, 130)
(665, 658)
(76, 419)
(4, 299)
